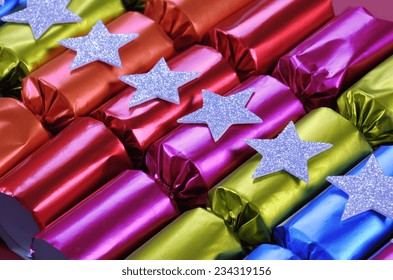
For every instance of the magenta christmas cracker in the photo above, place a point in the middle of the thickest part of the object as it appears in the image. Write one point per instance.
(336, 56)
(190, 160)
(110, 223)
(138, 126)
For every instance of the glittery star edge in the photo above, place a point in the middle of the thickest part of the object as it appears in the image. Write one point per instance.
(160, 82)
(287, 152)
(370, 190)
(221, 112)
(42, 14)
(98, 45)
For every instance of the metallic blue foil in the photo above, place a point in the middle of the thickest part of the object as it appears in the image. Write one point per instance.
(271, 252)
(317, 232)
(8, 6)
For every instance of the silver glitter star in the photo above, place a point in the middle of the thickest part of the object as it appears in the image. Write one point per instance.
(370, 190)
(159, 82)
(2, 2)
(99, 44)
(42, 14)
(221, 112)
(287, 152)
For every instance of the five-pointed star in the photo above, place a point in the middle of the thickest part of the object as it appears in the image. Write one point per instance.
(370, 190)
(99, 44)
(287, 152)
(42, 14)
(221, 112)
(159, 82)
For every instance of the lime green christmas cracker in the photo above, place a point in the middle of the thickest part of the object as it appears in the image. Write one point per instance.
(196, 235)
(253, 207)
(368, 104)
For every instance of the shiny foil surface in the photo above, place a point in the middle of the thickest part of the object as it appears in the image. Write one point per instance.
(7, 8)
(7, 254)
(386, 253)
(187, 21)
(59, 95)
(254, 207)
(134, 5)
(271, 252)
(317, 232)
(21, 54)
(335, 57)
(187, 162)
(21, 131)
(140, 126)
(196, 235)
(369, 104)
(65, 170)
(255, 37)
(127, 212)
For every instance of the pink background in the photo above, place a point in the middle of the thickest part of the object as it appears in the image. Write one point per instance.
(379, 8)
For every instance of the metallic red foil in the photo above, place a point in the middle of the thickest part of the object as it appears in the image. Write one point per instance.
(255, 37)
(187, 21)
(69, 167)
(58, 95)
(127, 212)
(187, 162)
(22, 133)
(140, 126)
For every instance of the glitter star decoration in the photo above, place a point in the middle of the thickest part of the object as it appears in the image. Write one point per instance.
(2, 2)
(286, 152)
(98, 45)
(159, 82)
(370, 190)
(221, 112)
(42, 14)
